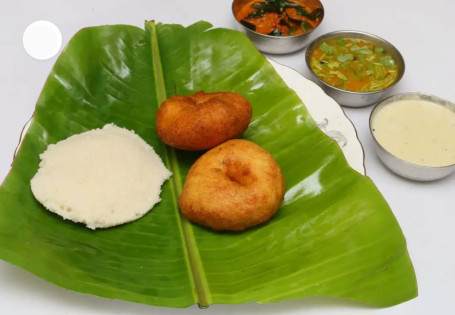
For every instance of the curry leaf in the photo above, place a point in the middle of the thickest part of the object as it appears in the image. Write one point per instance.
(249, 25)
(304, 25)
(276, 32)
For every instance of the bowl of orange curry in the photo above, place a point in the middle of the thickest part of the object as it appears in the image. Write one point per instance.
(278, 26)
(355, 68)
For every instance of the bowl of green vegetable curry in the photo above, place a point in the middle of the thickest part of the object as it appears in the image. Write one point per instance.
(355, 68)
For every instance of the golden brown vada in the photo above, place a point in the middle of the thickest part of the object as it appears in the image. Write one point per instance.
(234, 186)
(202, 120)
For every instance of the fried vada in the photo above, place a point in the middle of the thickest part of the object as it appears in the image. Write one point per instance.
(233, 186)
(203, 120)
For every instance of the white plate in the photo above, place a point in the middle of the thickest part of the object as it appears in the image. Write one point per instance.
(328, 115)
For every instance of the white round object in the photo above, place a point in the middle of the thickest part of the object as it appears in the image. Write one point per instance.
(101, 178)
(42, 40)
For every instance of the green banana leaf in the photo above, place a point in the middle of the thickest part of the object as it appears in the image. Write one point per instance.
(335, 235)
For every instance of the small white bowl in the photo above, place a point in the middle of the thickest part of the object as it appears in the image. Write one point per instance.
(399, 165)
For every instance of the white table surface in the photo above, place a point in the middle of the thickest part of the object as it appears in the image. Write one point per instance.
(422, 30)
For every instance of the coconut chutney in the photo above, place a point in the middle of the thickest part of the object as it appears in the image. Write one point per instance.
(417, 131)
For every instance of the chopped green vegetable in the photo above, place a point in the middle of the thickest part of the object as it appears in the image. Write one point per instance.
(387, 61)
(345, 57)
(379, 71)
(341, 75)
(326, 48)
(354, 65)
(355, 48)
(366, 51)
(361, 57)
(333, 64)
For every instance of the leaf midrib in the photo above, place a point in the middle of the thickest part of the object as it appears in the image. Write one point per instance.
(195, 268)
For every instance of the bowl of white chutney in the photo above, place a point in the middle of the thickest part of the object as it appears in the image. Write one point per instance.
(414, 135)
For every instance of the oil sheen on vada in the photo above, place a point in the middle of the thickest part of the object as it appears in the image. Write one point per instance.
(233, 186)
(203, 120)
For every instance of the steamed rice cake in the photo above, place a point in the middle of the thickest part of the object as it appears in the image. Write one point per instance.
(101, 178)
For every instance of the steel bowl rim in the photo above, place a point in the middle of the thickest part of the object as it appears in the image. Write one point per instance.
(279, 37)
(353, 32)
(375, 108)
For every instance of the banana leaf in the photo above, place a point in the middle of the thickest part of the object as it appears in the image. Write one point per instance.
(335, 235)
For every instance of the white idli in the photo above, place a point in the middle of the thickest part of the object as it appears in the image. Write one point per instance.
(101, 178)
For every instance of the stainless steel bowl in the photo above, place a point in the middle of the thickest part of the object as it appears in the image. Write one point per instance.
(400, 166)
(274, 44)
(349, 98)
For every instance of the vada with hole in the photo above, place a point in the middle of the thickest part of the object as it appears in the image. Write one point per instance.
(233, 186)
(203, 120)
